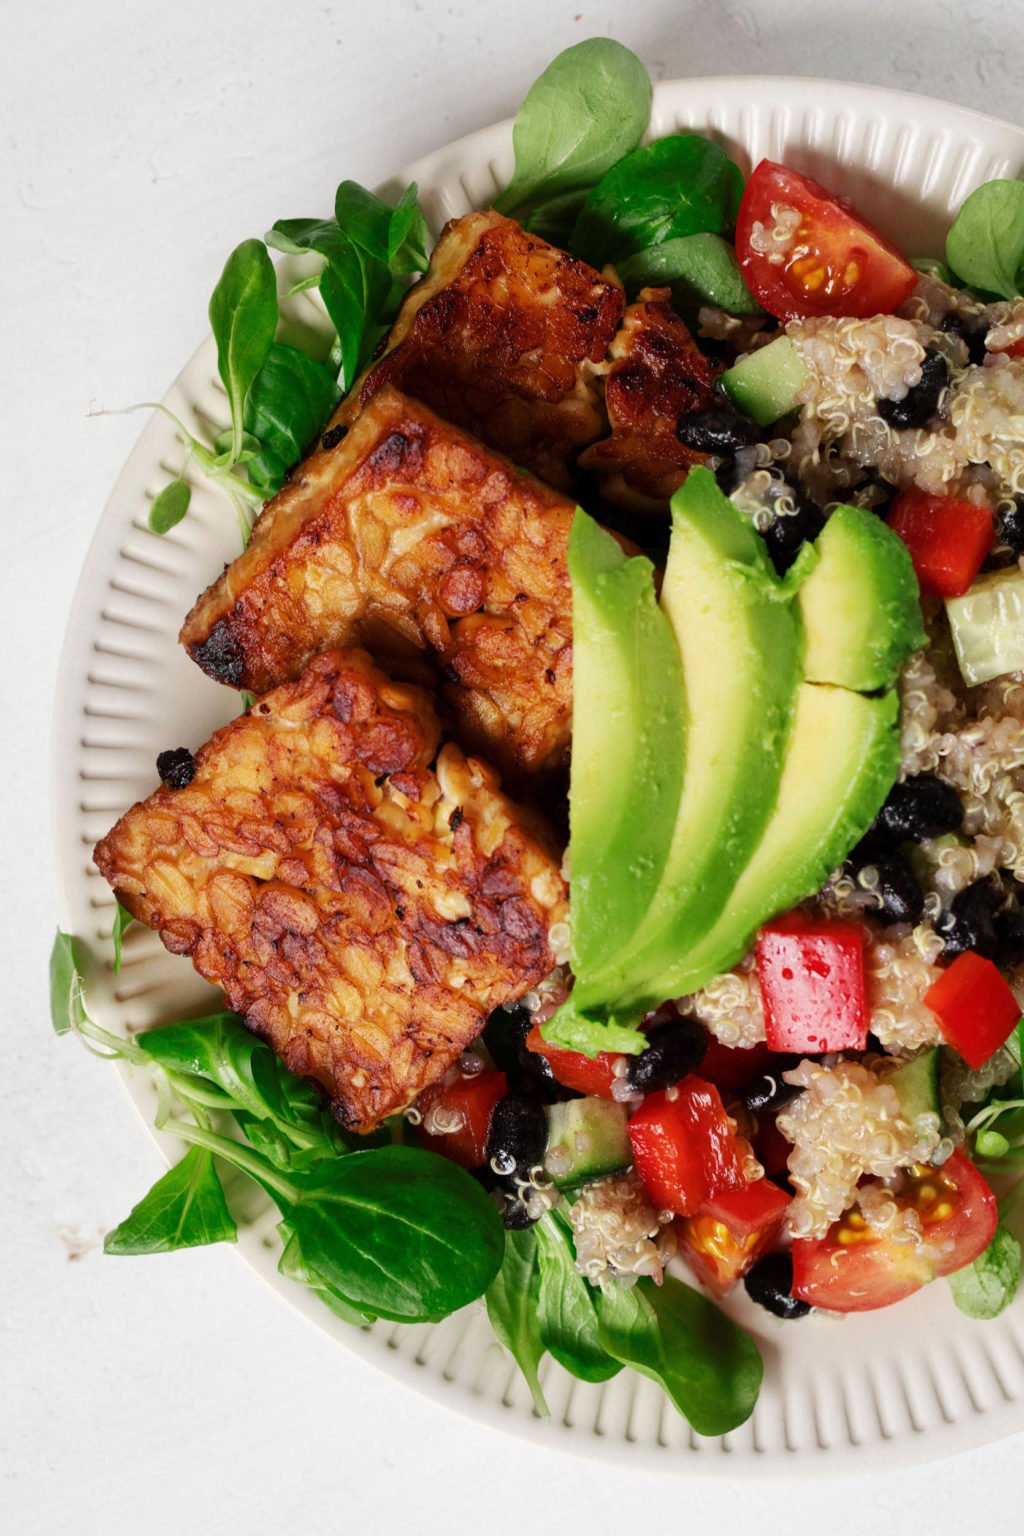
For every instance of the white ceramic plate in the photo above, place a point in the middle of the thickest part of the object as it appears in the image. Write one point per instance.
(914, 1382)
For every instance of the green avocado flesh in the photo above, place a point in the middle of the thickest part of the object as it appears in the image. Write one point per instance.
(741, 645)
(628, 742)
(860, 605)
(842, 760)
(784, 688)
(764, 385)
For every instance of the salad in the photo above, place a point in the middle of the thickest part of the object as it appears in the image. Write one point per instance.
(613, 872)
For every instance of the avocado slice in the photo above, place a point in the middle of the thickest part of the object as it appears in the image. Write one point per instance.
(740, 641)
(843, 758)
(860, 604)
(629, 731)
(765, 384)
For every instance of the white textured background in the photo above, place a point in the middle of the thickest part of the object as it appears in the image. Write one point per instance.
(138, 143)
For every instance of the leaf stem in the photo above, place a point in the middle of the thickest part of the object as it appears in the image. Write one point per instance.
(241, 1157)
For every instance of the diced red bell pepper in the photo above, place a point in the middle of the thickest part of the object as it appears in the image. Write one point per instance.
(471, 1098)
(731, 1231)
(684, 1147)
(588, 1075)
(948, 538)
(731, 1067)
(975, 1007)
(812, 985)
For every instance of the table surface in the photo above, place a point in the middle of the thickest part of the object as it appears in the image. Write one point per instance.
(139, 142)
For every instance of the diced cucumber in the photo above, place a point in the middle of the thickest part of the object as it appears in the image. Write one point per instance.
(917, 1086)
(924, 858)
(587, 1138)
(765, 384)
(988, 626)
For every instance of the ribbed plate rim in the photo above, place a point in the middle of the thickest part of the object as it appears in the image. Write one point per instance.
(957, 1434)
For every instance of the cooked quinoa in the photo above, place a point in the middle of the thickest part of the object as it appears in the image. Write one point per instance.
(846, 1123)
(973, 444)
(617, 1233)
(729, 1006)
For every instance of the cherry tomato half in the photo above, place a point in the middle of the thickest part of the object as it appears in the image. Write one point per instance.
(853, 1270)
(803, 252)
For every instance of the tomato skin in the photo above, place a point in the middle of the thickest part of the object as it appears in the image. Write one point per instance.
(812, 985)
(836, 263)
(875, 1272)
(948, 538)
(684, 1148)
(975, 1007)
(474, 1098)
(594, 1076)
(730, 1232)
(732, 1067)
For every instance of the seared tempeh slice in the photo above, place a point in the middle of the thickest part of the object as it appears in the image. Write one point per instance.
(410, 537)
(657, 375)
(363, 911)
(502, 335)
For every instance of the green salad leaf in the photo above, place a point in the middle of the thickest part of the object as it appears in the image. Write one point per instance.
(565, 1306)
(555, 218)
(512, 1307)
(407, 236)
(710, 1369)
(985, 244)
(364, 217)
(282, 1115)
(67, 1010)
(169, 506)
(398, 1232)
(700, 269)
(986, 1287)
(677, 186)
(590, 107)
(290, 399)
(243, 318)
(185, 1208)
(294, 1267)
(122, 917)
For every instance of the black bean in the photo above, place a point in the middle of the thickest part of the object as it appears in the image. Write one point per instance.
(922, 806)
(900, 898)
(970, 921)
(517, 1135)
(786, 533)
(767, 1092)
(972, 332)
(515, 1215)
(1009, 930)
(918, 405)
(176, 767)
(770, 1284)
(674, 1050)
(527, 1071)
(1012, 532)
(718, 432)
